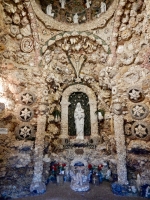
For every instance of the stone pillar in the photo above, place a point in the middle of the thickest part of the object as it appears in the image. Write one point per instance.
(120, 145)
(64, 116)
(93, 118)
(37, 184)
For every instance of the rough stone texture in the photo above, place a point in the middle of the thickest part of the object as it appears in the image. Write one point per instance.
(37, 184)
(121, 149)
(40, 59)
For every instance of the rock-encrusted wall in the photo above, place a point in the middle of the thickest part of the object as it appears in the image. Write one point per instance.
(41, 56)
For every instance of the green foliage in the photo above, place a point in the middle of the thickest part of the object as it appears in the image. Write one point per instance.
(56, 112)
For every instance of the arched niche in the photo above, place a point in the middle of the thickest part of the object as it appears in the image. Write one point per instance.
(51, 23)
(64, 108)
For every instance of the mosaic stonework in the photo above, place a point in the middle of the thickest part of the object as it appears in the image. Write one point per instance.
(140, 129)
(27, 98)
(135, 94)
(139, 111)
(24, 131)
(70, 10)
(25, 113)
(98, 22)
(27, 45)
(97, 49)
(128, 131)
(64, 109)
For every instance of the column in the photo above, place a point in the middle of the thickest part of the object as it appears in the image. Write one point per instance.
(121, 148)
(37, 184)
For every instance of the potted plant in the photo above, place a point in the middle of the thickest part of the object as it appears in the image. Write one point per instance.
(56, 113)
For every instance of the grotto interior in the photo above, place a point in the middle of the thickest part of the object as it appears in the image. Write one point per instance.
(74, 95)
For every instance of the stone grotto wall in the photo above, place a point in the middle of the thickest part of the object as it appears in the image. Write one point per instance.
(45, 53)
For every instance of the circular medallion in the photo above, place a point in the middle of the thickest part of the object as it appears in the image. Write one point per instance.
(24, 131)
(25, 113)
(135, 94)
(139, 111)
(27, 45)
(27, 98)
(140, 129)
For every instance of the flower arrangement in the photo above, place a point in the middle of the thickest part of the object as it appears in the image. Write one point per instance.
(95, 168)
(57, 168)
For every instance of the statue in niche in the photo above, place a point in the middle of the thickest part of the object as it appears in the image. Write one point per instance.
(103, 7)
(49, 10)
(88, 3)
(75, 18)
(79, 121)
(63, 2)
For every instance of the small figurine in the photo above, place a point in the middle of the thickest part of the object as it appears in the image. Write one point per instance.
(75, 18)
(88, 3)
(63, 2)
(103, 7)
(49, 10)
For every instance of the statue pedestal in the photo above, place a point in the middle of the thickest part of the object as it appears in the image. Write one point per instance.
(79, 179)
(80, 188)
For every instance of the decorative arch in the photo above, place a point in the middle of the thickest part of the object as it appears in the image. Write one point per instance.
(64, 108)
(64, 35)
(76, 160)
(53, 24)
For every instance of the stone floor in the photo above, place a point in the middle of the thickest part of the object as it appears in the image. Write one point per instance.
(63, 192)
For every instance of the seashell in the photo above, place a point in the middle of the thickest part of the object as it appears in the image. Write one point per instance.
(74, 33)
(120, 49)
(14, 30)
(44, 49)
(84, 34)
(66, 35)
(132, 22)
(50, 42)
(58, 37)
(126, 34)
(24, 21)
(9, 7)
(92, 37)
(19, 37)
(16, 18)
(26, 31)
(127, 59)
(8, 20)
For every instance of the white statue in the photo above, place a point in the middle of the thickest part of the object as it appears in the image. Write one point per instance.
(79, 121)
(75, 18)
(103, 7)
(88, 3)
(79, 179)
(63, 2)
(49, 10)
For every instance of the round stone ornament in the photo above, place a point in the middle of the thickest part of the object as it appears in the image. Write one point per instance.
(24, 131)
(25, 113)
(140, 129)
(26, 45)
(139, 111)
(135, 94)
(27, 98)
